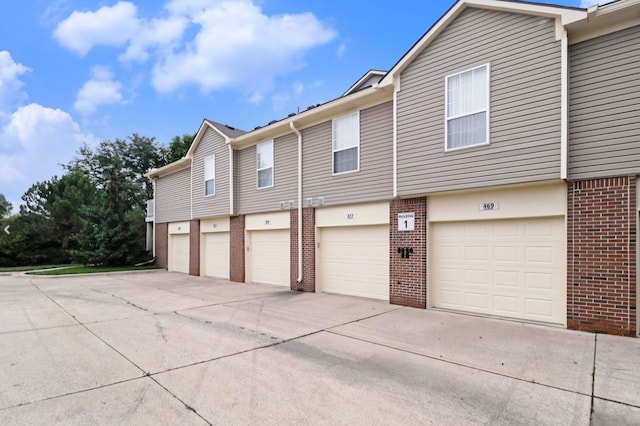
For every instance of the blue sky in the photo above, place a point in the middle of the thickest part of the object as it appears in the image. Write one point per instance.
(74, 71)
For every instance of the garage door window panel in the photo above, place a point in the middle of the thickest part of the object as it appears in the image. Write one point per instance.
(346, 144)
(467, 109)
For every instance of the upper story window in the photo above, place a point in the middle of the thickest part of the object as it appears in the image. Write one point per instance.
(467, 108)
(210, 175)
(346, 143)
(264, 153)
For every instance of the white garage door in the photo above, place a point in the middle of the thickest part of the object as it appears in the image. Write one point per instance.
(270, 257)
(216, 255)
(509, 268)
(354, 261)
(179, 255)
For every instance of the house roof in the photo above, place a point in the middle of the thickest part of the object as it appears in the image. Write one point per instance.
(358, 84)
(225, 129)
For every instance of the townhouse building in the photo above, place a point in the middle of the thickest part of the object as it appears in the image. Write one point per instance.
(491, 171)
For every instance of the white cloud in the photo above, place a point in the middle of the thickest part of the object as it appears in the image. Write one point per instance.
(209, 44)
(10, 85)
(35, 140)
(102, 89)
(155, 33)
(109, 26)
(238, 43)
(342, 48)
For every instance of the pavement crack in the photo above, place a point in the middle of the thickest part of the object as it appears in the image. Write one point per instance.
(22, 404)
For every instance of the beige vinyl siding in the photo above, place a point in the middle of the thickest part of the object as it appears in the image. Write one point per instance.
(250, 199)
(206, 206)
(524, 105)
(604, 106)
(173, 198)
(374, 180)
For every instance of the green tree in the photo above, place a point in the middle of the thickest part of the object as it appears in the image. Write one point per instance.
(178, 148)
(5, 207)
(53, 209)
(135, 156)
(114, 227)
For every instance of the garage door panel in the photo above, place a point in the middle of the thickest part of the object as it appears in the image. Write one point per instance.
(179, 254)
(354, 261)
(477, 301)
(476, 277)
(505, 254)
(216, 254)
(512, 268)
(270, 255)
(475, 253)
(539, 281)
(539, 307)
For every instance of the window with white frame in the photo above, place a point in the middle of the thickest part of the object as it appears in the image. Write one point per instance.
(346, 143)
(467, 108)
(264, 152)
(210, 175)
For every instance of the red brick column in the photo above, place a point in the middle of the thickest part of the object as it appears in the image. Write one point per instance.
(236, 265)
(194, 248)
(408, 276)
(308, 250)
(601, 251)
(161, 242)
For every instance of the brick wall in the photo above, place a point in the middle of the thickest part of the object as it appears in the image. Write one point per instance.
(308, 250)
(237, 250)
(601, 249)
(408, 277)
(194, 248)
(161, 241)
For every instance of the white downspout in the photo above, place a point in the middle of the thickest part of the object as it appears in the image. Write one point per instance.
(190, 188)
(154, 215)
(231, 210)
(293, 127)
(564, 106)
(395, 140)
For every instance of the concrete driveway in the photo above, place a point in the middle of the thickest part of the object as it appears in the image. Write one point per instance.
(163, 348)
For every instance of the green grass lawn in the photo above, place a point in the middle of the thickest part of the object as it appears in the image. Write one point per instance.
(93, 270)
(33, 268)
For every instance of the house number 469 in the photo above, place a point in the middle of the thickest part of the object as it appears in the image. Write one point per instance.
(489, 206)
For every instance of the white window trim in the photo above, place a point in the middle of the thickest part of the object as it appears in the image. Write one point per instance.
(333, 151)
(488, 104)
(273, 163)
(213, 160)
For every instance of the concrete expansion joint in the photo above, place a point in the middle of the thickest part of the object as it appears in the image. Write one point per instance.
(187, 406)
(593, 377)
(22, 404)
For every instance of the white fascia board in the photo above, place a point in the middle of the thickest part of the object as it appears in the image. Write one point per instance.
(170, 168)
(201, 132)
(605, 19)
(362, 79)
